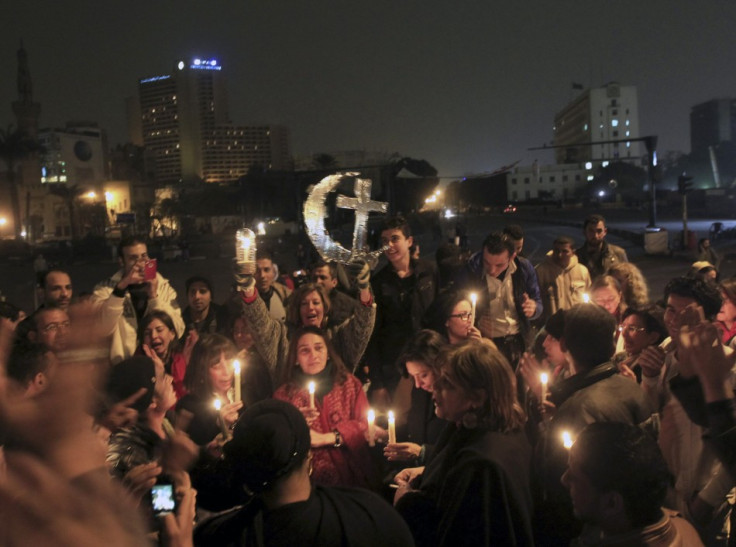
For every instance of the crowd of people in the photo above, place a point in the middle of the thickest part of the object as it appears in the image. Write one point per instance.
(474, 399)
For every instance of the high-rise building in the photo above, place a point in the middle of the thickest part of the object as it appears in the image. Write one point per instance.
(608, 113)
(712, 123)
(187, 132)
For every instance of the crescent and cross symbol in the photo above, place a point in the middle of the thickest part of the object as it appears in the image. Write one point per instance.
(315, 212)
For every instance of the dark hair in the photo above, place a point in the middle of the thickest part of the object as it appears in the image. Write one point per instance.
(555, 325)
(477, 365)
(496, 243)
(589, 331)
(198, 279)
(205, 353)
(728, 286)
(514, 231)
(653, 320)
(593, 219)
(331, 266)
(397, 222)
(424, 347)
(26, 360)
(339, 370)
(270, 441)
(165, 318)
(564, 240)
(293, 317)
(704, 293)
(264, 254)
(33, 323)
(129, 241)
(441, 308)
(622, 458)
(43, 276)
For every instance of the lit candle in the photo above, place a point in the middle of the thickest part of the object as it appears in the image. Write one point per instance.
(473, 301)
(220, 420)
(311, 387)
(391, 427)
(236, 367)
(371, 427)
(586, 297)
(567, 440)
(544, 377)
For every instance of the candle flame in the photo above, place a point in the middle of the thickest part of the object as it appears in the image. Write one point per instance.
(391, 417)
(566, 439)
(371, 415)
(544, 377)
(236, 366)
(586, 297)
(218, 404)
(473, 297)
(311, 387)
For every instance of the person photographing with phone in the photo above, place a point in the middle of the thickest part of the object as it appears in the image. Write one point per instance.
(131, 293)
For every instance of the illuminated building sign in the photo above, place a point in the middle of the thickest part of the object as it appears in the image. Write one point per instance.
(154, 79)
(205, 64)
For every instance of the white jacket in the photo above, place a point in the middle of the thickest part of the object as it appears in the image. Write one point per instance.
(119, 316)
(561, 288)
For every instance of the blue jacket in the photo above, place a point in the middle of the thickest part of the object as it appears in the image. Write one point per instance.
(524, 280)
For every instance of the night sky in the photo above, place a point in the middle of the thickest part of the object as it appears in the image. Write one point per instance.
(468, 86)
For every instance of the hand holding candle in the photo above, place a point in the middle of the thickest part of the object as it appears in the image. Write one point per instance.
(236, 380)
(220, 420)
(311, 387)
(473, 301)
(391, 427)
(544, 378)
(371, 427)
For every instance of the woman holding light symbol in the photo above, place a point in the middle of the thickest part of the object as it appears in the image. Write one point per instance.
(335, 407)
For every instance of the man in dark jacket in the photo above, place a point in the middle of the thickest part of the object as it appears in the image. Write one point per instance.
(596, 392)
(403, 291)
(596, 254)
(508, 294)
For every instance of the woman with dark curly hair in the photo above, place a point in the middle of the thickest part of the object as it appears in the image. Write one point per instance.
(336, 412)
(475, 490)
(158, 340)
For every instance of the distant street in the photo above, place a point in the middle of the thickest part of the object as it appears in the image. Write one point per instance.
(16, 280)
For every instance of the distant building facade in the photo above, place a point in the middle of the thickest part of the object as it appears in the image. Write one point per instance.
(187, 133)
(76, 154)
(552, 182)
(605, 113)
(712, 123)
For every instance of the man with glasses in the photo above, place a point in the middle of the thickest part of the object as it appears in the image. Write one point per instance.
(562, 279)
(597, 254)
(50, 327)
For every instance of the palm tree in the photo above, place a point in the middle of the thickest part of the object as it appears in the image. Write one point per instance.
(69, 194)
(14, 147)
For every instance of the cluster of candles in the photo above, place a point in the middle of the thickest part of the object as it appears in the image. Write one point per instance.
(372, 427)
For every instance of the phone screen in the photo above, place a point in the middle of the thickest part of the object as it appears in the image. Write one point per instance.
(162, 499)
(149, 272)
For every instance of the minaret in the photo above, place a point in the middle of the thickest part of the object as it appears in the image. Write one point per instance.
(25, 110)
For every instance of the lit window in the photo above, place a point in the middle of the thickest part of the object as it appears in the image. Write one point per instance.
(604, 164)
(628, 133)
(614, 123)
(585, 127)
(590, 177)
(627, 123)
(588, 165)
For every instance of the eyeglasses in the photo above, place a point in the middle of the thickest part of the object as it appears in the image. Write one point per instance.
(52, 327)
(462, 316)
(631, 329)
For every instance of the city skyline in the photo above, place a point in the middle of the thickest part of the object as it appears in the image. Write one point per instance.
(467, 87)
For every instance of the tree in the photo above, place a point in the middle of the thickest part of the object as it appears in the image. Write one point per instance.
(14, 147)
(69, 194)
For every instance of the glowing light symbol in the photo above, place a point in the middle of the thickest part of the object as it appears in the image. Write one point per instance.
(315, 212)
